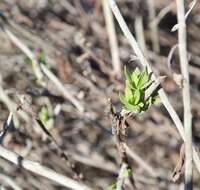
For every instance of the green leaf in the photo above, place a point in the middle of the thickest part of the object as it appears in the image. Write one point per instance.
(128, 106)
(141, 104)
(130, 85)
(132, 108)
(127, 75)
(127, 173)
(156, 100)
(143, 78)
(43, 114)
(136, 72)
(136, 96)
(112, 186)
(27, 60)
(41, 57)
(128, 93)
(135, 75)
(136, 83)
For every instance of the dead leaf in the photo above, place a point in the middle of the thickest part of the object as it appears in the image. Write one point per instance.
(179, 165)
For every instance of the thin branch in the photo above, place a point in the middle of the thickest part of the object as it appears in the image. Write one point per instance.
(141, 162)
(12, 107)
(144, 62)
(176, 26)
(41, 170)
(162, 13)
(27, 51)
(61, 88)
(139, 30)
(121, 178)
(153, 26)
(186, 93)
(9, 181)
(6, 126)
(110, 26)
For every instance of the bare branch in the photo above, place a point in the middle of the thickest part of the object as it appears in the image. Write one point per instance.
(153, 26)
(186, 93)
(41, 170)
(110, 25)
(7, 180)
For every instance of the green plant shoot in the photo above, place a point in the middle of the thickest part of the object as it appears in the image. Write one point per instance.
(41, 57)
(44, 115)
(112, 186)
(136, 84)
(127, 172)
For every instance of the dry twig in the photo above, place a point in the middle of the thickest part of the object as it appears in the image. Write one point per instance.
(112, 37)
(6, 126)
(186, 93)
(7, 180)
(41, 170)
(121, 177)
(153, 26)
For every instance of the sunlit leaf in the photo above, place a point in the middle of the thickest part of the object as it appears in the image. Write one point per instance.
(127, 75)
(128, 94)
(156, 100)
(132, 108)
(143, 78)
(136, 84)
(137, 96)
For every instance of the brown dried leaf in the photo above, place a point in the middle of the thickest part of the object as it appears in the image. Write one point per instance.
(179, 165)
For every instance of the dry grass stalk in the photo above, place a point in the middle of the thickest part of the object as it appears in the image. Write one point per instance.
(121, 178)
(110, 25)
(186, 93)
(41, 170)
(139, 29)
(153, 26)
(7, 180)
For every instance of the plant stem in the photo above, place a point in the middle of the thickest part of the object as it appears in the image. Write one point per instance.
(186, 93)
(41, 170)
(110, 26)
(153, 26)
